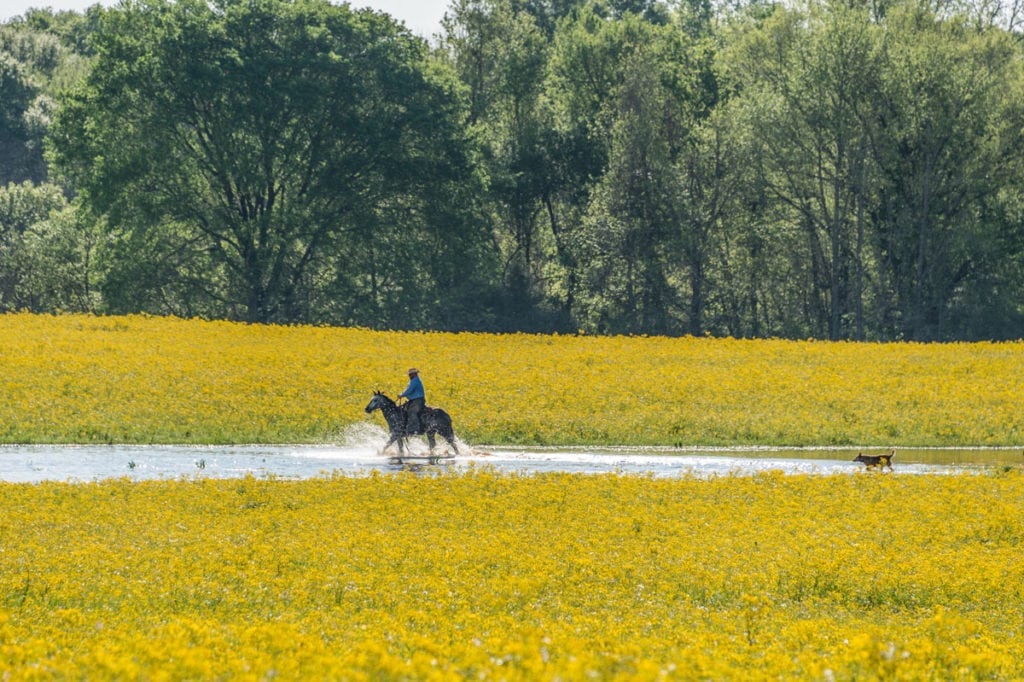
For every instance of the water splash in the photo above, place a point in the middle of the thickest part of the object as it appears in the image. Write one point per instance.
(363, 435)
(370, 436)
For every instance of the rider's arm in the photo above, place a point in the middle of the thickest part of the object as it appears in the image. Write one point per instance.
(405, 393)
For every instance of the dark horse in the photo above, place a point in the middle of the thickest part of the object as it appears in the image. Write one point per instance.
(433, 420)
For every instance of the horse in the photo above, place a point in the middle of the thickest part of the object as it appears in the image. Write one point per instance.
(433, 420)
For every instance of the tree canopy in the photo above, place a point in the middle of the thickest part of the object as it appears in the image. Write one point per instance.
(818, 169)
(261, 150)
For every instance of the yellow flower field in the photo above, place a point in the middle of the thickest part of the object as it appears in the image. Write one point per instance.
(488, 576)
(481, 575)
(86, 379)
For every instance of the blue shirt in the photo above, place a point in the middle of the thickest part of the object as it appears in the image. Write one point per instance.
(414, 389)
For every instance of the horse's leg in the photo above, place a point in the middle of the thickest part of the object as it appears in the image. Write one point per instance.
(449, 436)
(430, 439)
(395, 438)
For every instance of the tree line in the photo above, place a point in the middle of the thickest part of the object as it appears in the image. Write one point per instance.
(825, 169)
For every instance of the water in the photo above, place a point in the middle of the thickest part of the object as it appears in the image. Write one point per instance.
(358, 454)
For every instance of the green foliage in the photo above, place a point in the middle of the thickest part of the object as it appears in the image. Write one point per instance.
(951, 102)
(34, 66)
(873, 137)
(46, 250)
(275, 147)
(618, 166)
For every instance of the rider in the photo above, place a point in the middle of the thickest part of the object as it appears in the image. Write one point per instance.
(417, 398)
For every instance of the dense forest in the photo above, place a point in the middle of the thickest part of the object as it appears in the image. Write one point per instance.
(813, 169)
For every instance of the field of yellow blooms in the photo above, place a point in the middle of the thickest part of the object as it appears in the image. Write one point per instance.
(85, 379)
(491, 576)
(481, 575)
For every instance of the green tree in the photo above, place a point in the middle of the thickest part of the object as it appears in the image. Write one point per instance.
(805, 79)
(634, 223)
(272, 155)
(44, 261)
(634, 92)
(63, 257)
(948, 138)
(25, 58)
(35, 66)
(893, 146)
(501, 53)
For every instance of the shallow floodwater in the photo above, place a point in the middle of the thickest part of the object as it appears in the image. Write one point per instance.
(360, 456)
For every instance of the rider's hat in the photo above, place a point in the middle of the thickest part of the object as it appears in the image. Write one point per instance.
(413, 371)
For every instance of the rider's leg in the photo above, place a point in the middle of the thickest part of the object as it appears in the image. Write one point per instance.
(413, 409)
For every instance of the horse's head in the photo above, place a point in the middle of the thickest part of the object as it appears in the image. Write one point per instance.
(378, 401)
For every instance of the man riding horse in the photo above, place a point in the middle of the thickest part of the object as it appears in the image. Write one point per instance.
(430, 420)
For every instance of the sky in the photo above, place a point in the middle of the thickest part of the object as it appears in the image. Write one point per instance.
(422, 17)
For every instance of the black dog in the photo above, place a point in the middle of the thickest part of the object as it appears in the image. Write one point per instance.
(872, 461)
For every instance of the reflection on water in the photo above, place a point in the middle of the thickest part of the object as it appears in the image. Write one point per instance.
(34, 463)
